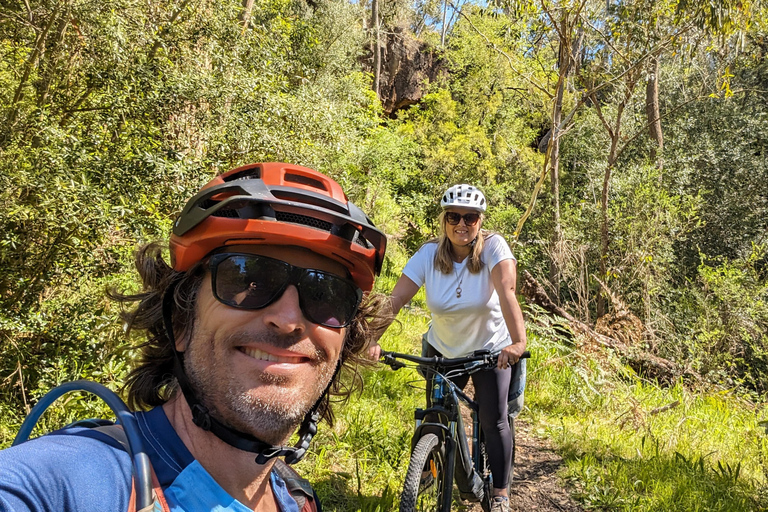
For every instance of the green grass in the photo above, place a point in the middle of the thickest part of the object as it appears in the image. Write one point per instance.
(623, 451)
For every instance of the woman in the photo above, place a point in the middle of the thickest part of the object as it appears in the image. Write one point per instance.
(470, 278)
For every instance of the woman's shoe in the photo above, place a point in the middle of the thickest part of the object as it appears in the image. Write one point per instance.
(500, 504)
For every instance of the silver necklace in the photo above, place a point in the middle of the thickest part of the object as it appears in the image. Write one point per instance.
(460, 278)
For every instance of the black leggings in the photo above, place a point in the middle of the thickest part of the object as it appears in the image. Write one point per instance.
(491, 391)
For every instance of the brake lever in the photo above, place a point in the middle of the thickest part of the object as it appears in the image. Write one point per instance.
(474, 366)
(492, 360)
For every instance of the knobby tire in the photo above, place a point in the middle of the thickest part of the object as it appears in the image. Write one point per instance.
(417, 497)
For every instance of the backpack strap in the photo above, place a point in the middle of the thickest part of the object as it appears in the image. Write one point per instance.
(298, 487)
(159, 504)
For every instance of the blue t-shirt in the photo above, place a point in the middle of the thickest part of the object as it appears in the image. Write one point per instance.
(82, 470)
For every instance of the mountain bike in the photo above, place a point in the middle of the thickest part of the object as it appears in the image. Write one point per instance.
(440, 440)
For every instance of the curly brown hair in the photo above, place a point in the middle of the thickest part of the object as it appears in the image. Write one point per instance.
(151, 382)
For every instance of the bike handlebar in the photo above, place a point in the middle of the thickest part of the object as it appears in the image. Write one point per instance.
(486, 358)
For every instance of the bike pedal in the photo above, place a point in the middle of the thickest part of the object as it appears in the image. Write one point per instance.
(470, 497)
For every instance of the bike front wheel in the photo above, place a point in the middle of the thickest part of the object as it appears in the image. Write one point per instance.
(423, 488)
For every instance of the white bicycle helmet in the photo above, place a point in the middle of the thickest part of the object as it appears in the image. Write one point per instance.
(465, 196)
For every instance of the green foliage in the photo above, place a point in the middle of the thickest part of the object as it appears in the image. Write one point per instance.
(722, 322)
(124, 110)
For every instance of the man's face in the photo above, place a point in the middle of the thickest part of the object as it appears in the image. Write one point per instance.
(260, 371)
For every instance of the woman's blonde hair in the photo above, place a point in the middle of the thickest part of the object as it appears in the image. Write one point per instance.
(444, 253)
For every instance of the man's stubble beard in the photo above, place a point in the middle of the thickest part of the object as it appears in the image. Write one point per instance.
(271, 416)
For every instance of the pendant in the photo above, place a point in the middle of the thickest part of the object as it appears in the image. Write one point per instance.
(458, 292)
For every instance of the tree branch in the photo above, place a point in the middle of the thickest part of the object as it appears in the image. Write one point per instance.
(165, 30)
(606, 39)
(599, 112)
(502, 52)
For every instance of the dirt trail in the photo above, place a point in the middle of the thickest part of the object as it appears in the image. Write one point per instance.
(537, 486)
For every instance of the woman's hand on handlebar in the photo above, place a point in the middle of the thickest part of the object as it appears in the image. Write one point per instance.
(510, 355)
(374, 351)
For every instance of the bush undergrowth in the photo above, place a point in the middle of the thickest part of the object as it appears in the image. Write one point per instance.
(629, 444)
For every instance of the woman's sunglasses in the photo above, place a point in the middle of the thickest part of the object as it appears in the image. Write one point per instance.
(453, 218)
(250, 281)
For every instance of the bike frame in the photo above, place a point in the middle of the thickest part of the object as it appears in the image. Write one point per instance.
(445, 403)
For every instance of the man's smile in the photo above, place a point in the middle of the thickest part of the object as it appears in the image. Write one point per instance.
(274, 358)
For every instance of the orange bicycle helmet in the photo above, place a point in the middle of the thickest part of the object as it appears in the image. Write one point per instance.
(278, 204)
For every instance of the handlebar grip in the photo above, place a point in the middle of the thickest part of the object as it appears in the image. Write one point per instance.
(526, 354)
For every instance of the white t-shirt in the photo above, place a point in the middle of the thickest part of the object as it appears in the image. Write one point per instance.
(461, 325)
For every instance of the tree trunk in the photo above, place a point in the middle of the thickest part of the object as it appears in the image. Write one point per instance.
(554, 158)
(557, 232)
(652, 110)
(50, 65)
(442, 28)
(603, 266)
(604, 231)
(376, 46)
(577, 50)
(30, 64)
(614, 133)
(245, 14)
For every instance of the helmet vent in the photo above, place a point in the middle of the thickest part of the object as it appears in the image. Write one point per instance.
(230, 214)
(359, 240)
(252, 173)
(305, 180)
(295, 218)
(207, 203)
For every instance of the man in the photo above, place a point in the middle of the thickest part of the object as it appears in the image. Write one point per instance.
(246, 333)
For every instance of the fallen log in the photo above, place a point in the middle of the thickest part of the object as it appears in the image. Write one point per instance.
(643, 362)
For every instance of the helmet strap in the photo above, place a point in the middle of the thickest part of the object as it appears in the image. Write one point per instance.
(202, 417)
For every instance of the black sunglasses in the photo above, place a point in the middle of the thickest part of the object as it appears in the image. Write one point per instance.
(453, 218)
(250, 281)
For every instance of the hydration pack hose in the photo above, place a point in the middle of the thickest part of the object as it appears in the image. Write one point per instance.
(141, 467)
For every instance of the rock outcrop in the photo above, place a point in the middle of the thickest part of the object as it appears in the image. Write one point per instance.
(407, 65)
